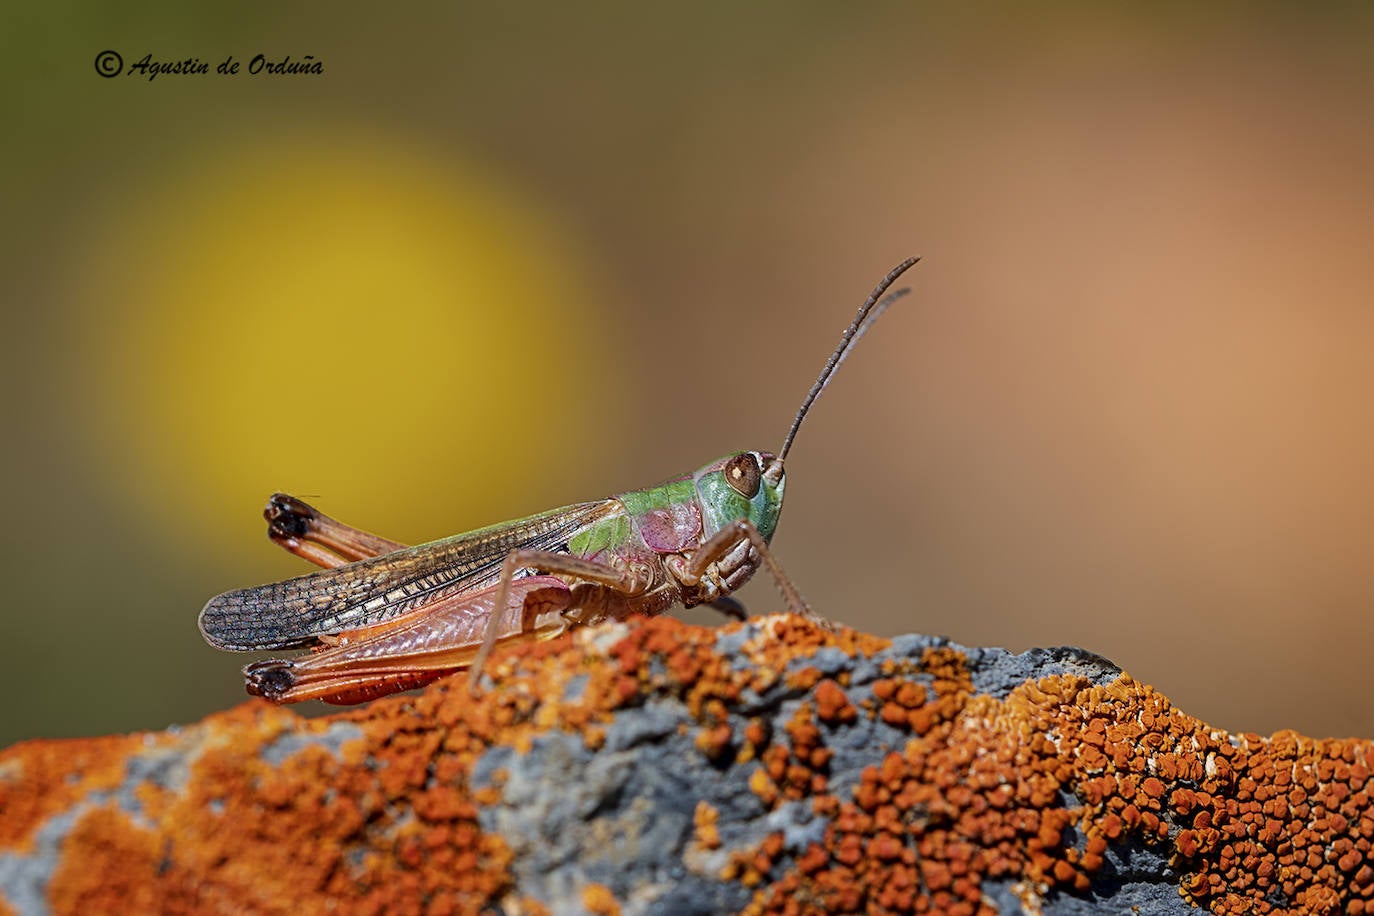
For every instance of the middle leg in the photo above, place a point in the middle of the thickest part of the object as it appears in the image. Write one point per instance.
(629, 580)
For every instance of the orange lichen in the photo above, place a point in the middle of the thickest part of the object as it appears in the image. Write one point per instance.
(35, 783)
(704, 821)
(1034, 789)
(832, 705)
(975, 794)
(598, 900)
(103, 859)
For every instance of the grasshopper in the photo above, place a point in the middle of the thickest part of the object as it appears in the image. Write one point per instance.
(383, 617)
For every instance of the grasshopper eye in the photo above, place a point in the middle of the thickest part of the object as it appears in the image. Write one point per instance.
(742, 473)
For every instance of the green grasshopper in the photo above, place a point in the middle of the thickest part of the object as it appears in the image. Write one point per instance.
(383, 617)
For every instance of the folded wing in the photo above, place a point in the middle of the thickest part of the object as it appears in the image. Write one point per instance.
(296, 612)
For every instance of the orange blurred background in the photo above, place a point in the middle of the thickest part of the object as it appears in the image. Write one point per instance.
(492, 262)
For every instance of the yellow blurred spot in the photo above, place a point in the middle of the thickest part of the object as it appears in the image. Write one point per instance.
(339, 318)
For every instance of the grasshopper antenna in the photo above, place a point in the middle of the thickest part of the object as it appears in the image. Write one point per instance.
(869, 312)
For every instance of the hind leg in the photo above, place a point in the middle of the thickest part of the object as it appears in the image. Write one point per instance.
(308, 533)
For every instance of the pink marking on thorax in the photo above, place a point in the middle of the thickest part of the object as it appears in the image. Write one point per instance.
(671, 530)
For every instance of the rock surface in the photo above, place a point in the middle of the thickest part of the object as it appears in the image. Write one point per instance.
(661, 768)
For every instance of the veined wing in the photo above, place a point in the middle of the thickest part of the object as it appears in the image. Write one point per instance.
(296, 612)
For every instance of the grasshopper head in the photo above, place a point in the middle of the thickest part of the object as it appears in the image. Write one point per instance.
(744, 485)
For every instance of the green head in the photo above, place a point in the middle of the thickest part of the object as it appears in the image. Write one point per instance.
(744, 485)
(750, 484)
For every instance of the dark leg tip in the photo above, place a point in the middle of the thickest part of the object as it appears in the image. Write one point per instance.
(269, 679)
(730, 607)
(287, 517)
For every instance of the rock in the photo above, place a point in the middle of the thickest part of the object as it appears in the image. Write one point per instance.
(654, 767)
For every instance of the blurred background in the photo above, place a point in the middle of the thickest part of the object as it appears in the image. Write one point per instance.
(496, 260)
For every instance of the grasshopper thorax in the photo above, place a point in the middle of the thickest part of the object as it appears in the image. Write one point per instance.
(745, 485)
